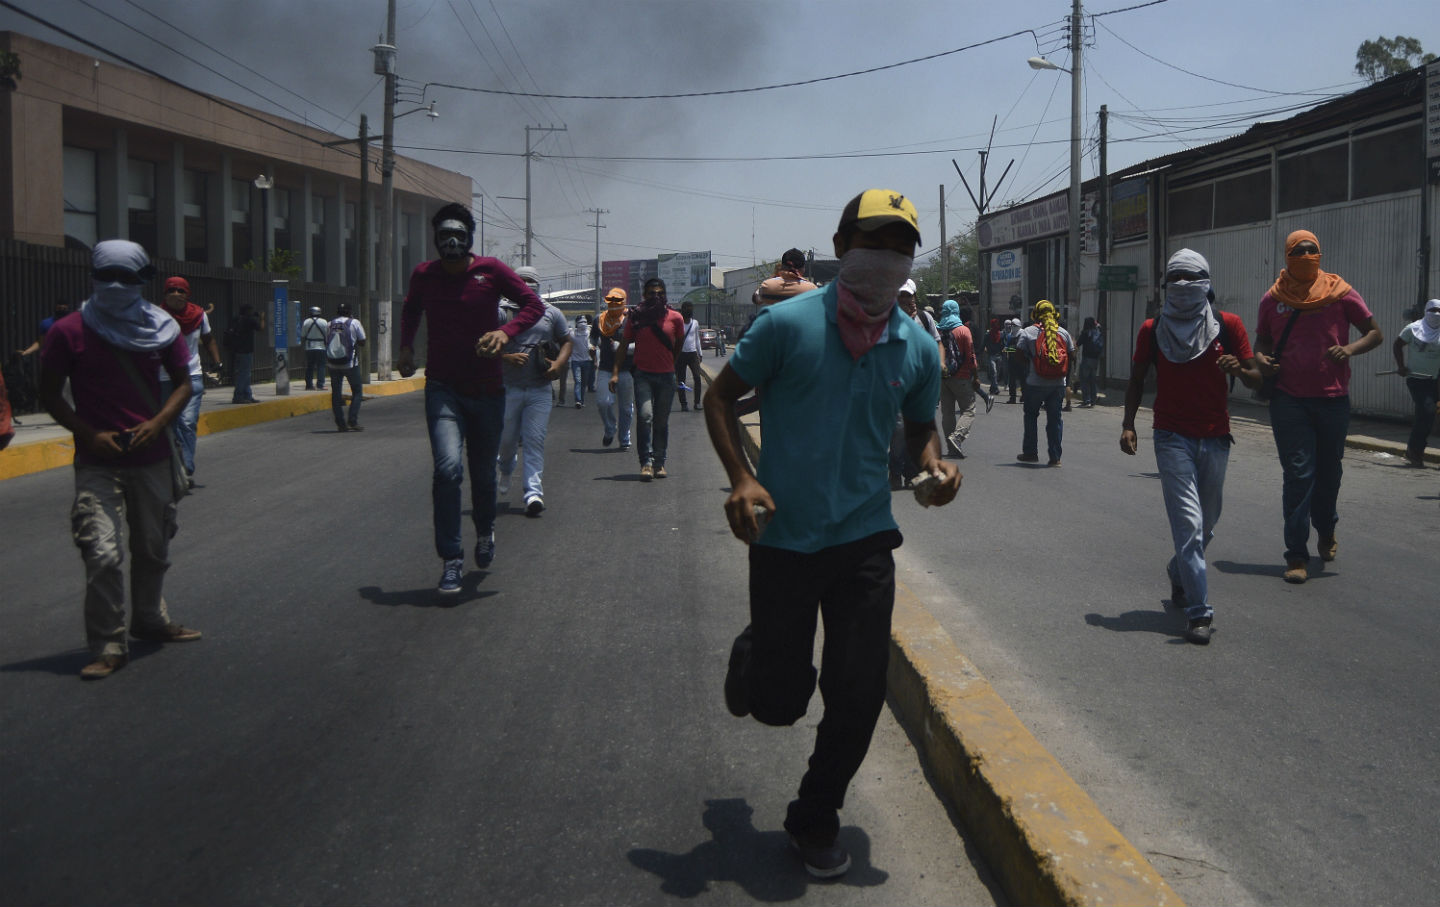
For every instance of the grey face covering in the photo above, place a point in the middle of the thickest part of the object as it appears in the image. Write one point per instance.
(452, 240)
(116, 310)
(1186, 326)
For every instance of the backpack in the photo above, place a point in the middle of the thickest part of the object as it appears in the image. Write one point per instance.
(341, 345)
(1042, 364)
(1093, 343)
(231, 337)
(953, 360)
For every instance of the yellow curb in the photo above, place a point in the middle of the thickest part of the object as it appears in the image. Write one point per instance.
(1041, 834)
(24, 459)
(30, 458)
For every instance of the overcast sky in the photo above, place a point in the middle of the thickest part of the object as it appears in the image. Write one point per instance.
(750, 173)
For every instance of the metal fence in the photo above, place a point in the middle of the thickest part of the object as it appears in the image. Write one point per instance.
(33, 279)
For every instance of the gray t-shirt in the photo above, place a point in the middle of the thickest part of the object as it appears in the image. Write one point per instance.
(1028, 337)
(551, 327)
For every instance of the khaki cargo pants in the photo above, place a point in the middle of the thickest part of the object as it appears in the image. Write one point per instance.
(108, 500)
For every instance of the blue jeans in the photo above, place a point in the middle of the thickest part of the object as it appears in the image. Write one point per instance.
(654, 395)
(1310, 438)
(242, 365)
(185, 424)
(584, 374)
(1423, 391)
(1192, 478)
(1050, 398)
(337, 391)
(527, 417)
(315, 368)
(455, 421)
(624, 397)
(1089, 371)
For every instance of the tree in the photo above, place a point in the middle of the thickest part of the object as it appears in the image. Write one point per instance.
(9, 70)
(1386, 57)
(964, 268)
(281, 261)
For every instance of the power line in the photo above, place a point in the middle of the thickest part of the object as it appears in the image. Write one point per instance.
(730, 91)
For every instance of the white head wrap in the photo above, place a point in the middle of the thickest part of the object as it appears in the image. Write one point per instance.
(1186, 325)
(117, 311)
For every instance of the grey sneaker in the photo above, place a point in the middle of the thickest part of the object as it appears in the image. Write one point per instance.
(450, 576)
(1198, 631)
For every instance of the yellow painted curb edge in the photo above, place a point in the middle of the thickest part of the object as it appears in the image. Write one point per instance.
(1040, 833)
(29, 458)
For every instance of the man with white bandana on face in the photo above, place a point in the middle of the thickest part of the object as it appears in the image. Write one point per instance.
(1193, 348)
(458, 295)
(113, 351)
(1422, 375)
(835, 363)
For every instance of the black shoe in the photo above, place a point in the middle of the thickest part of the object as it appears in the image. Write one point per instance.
(356, 426)
(340, 426)
(823, 862)
(1028, 458)
(605, 441)
(736, 699)
(684, 408)
(534, 507)
(1198, 631)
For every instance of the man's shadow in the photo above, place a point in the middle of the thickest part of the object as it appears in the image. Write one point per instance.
(760, 862)
(1168, 622)
(428, 597)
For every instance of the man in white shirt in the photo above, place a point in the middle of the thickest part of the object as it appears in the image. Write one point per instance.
(313, 333)
(689, 356)
(345, 332)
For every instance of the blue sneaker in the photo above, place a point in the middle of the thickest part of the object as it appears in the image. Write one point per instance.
(485, 551)
(450, 576)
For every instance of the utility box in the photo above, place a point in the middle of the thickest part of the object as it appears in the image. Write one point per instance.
(384, 59)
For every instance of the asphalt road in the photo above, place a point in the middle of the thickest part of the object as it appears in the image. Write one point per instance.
(1296, 760)
(554, 735)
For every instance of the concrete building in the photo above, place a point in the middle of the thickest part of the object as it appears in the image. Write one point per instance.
(1356, 171)
(91, 149)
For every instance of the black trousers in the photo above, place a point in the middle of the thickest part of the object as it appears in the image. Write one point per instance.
(852, 589)
(692, 362)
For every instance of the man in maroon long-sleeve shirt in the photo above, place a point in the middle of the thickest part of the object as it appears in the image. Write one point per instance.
(464, 392)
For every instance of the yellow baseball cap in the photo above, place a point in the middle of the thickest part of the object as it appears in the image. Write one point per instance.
(874, 208)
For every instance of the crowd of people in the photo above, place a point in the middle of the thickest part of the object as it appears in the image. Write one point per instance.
(857, 362)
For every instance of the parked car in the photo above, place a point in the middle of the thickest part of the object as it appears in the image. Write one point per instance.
(707, 338)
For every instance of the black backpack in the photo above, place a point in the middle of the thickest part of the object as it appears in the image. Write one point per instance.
(231, 337)
(953, 362)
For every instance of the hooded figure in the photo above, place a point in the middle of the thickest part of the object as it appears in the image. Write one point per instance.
(116, 309)
(1187, 324)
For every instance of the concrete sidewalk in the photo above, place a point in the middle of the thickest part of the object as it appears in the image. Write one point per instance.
(41, 444)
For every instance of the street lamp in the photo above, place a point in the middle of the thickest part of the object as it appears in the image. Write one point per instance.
(1072, 254)
(264, 183)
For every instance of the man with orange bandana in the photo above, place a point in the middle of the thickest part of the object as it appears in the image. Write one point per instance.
(1300, 342)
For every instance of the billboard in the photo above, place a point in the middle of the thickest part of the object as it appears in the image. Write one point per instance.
(630, 276)
(1023, 223)
(684, 273)
(1130, 209)
(1007, 271)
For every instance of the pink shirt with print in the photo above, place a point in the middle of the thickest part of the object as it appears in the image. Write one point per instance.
(1306, 369)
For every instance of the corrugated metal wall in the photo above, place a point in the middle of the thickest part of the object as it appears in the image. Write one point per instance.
(1125, 311)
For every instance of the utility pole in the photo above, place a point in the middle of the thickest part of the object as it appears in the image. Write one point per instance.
(982, 204)
(529, 233)
(1072, 281)
(387, 193)
(598, 227)
(944, 251)
(362, 231)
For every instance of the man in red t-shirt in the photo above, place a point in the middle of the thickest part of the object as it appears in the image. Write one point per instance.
(657, 332)
(1193, 348)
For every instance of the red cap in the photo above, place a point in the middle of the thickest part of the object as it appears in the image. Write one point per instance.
(177, 283)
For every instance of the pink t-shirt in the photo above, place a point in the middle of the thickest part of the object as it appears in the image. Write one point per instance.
(651, 355)
(105, 396)
(1306, 370)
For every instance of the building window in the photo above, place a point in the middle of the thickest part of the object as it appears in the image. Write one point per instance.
(280, 216)
(241, 247)
(82, 211)
(318, 261)
(141, 205)
(350, 247)
(1192, 209)
(1388, 162)
(1243, 199)
(1315, 178)
(197, 248)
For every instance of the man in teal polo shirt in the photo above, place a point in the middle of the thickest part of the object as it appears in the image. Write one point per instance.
(833, 366)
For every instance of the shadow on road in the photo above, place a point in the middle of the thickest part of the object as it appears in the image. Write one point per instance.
(760, 862)
(1161, 622)
(428, 598)
(69, 663)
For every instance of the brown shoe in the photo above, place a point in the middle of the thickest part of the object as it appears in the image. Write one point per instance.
(167, 633)
(1328, 548)
(660, 472)
(1054, 462)
(1296, 570)
(103, 667)
(646, 473)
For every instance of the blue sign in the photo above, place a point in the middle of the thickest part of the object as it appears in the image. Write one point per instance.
(282, 315)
